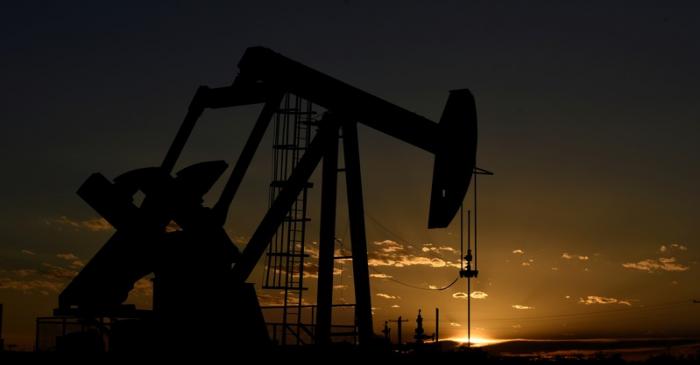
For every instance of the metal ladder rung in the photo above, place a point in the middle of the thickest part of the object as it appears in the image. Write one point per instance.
(283, 183)
(287, 254)
(282, 287)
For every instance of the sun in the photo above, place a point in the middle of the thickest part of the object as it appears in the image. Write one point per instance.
(476, 341)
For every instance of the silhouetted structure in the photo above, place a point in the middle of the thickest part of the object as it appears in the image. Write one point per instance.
(2, 340)
(420, 335)
(200, 295)
(399, 324)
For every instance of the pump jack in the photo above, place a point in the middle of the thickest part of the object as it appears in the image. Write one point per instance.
(200, 275)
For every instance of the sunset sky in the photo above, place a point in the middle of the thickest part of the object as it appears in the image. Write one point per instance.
(588, 115)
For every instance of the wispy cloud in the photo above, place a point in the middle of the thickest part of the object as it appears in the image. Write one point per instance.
(594, 299)
(429, 247)
(518, 252)
(380, 276)
(144, 287)
(475, 295)
(387, 296)
(30, 253)
(568, 256)
(396, 306)
(267, 298)
(49, 279)
(173, 227)
(41, 286)
(67, 256)
(479, 295)
(663, 263)
(58, 272)
(311, 270)
(391, 253)
(92, 225)
(455, 324)
(522, 307)
(23, 273)
(389, 246)
(74, 260)
(653, 265)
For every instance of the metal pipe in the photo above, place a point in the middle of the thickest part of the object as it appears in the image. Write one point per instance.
(437, 325)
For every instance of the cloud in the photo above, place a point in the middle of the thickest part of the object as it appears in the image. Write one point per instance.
(67, 256)
(267, 298)
(92, 225)
(653, 265)
(679, 247)
(389, 246)
(173, 227)
(30, 253)
(391, 253)
(455, 324)
(479, 295)
(555, 269)
(143, 287)
(594, 299)
(311, 270)
(74, 260)
(568, 256)
(525, 264)
(380, 276)
(475, 295)
(663, 248)
(23, 273)
(523, 307)
(396, 306)
(387, 296)
(429, 247)
(58, 272)
(77, 264)
(40, 285)
(518, 252)
(50, 279)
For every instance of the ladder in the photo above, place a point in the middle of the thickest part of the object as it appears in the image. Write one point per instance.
(292, 132)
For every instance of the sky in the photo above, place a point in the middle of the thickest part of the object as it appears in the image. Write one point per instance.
(587, 115)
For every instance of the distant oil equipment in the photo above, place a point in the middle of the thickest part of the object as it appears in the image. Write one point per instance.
(467, 271)
(200, 294)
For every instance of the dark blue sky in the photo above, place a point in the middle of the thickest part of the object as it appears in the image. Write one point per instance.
(588, 114)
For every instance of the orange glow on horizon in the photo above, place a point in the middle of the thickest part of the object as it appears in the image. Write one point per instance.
(476, 341)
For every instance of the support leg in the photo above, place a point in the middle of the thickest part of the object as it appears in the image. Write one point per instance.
(329, 192)
(356, 210)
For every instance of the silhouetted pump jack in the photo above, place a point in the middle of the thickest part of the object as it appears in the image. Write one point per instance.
(200, 294)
